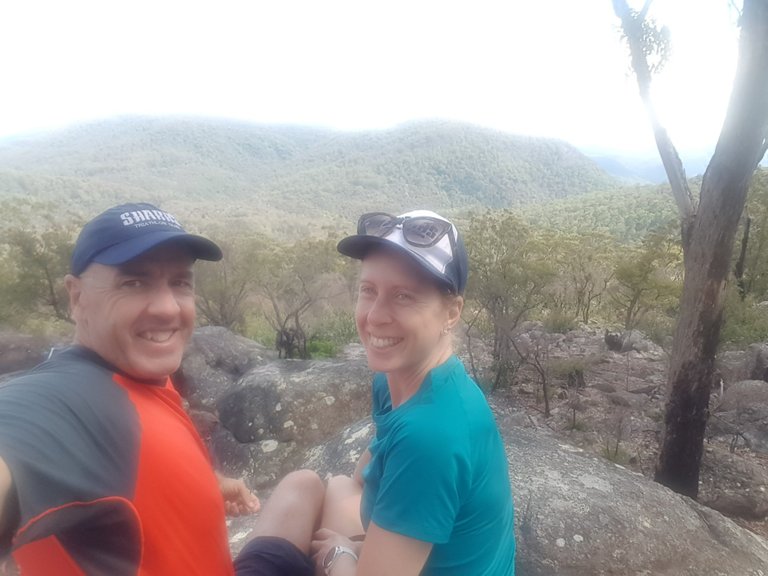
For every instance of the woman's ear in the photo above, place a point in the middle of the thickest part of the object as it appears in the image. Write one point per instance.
(455, 306)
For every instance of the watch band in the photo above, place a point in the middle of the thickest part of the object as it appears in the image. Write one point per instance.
(333, 554)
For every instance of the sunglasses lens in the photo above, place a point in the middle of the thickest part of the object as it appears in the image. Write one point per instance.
(378, 224)
(425, 231)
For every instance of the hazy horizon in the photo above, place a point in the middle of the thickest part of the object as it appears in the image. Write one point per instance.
(553, 69)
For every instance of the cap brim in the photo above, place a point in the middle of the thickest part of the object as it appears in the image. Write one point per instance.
(359, 245)
(200, 248)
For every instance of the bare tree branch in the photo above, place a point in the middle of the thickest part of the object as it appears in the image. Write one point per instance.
(632, 26)
(645, 9)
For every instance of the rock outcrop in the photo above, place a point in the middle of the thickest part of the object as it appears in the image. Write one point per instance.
(744, 394)
(19, 352)
(578, 515)
(296, 400)
(214, 360)
(629, 340)
(733, 485)
(756, 364)
(278, 411)
(742, 413)
(258, 414)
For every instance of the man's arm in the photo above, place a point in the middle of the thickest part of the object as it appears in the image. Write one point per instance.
(238, 499)
(7, 511)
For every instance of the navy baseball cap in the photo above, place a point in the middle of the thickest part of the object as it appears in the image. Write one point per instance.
(430, 240)
(122, 233)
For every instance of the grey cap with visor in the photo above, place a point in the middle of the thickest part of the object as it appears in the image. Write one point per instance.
(427, 238)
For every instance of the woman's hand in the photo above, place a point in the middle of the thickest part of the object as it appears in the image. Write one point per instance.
(325, 539)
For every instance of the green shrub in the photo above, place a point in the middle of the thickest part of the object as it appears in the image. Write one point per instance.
(337, 327)
(616, 454)
(578, 426)
(330, 333)
(257, 328)
(321, 349)
(656, 414)
(562, 367)
(658, 327)
(745, 322)
(326, 334)
(558, 322)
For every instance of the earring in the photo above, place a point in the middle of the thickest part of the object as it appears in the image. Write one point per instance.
(446, 330)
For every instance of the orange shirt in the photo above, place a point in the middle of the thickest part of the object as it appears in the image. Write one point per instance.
(111, 475)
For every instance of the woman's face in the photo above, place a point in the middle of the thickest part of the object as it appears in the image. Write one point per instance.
(401, 314)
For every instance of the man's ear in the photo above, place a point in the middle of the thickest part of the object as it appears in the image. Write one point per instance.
(74, 286)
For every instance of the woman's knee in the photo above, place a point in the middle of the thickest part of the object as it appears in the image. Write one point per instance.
(341, 510)
(305, 482)
(339, 481)
(342, 486)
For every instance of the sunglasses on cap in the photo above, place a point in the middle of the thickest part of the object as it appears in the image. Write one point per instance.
(420, 231)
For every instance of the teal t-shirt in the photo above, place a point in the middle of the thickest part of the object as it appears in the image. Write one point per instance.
(438, 473)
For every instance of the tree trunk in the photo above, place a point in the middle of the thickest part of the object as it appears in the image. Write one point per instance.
(629, 318)
(708, 247)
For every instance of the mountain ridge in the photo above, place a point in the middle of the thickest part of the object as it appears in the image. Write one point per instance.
(279, 171)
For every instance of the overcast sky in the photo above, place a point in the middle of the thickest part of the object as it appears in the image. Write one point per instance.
(553, 68)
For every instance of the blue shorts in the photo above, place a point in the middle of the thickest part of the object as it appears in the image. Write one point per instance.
(273, 556)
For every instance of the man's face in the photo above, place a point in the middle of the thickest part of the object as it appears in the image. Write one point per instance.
(137, 316)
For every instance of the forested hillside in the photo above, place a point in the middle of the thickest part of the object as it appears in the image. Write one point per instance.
(550, 237)
(306, 175)
(626, 214)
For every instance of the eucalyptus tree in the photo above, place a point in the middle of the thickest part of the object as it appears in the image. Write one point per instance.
(36, 241)
(646, 277)
(708, 225)
(511, 269)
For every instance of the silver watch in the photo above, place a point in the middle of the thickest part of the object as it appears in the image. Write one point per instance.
(333, 554)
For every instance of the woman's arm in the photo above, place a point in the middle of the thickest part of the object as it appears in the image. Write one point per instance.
(365, 457)
(384, 553)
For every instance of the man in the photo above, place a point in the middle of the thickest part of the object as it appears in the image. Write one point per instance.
(101, 471)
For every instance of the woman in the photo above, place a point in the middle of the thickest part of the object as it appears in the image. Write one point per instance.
(433, 487)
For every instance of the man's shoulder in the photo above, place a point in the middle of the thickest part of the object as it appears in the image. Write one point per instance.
(64, 369)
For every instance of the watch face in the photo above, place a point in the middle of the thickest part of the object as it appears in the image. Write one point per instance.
(329, 557)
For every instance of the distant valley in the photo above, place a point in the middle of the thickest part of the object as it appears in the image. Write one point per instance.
(646, 169)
